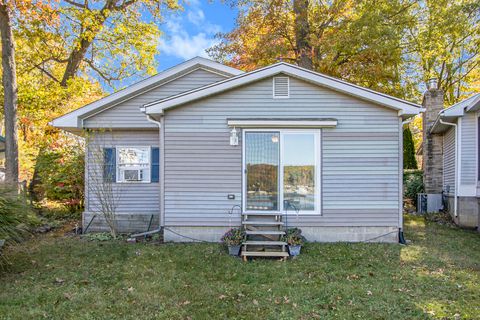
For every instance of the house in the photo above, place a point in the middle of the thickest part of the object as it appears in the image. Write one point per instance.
(199, 147)
(455, 165)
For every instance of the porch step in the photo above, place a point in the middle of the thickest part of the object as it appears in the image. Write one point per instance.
(262, 232)
(263, 223)
(264, 254)
(264, 243)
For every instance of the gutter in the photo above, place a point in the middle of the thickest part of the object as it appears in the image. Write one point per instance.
(457, 147)
(159, 229)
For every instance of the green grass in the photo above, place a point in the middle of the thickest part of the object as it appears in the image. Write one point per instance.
(436, 276)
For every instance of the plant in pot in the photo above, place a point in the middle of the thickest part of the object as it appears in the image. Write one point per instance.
(293, 237)
(233, 238)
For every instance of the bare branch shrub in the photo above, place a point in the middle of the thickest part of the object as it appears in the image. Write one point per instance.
(103, 193)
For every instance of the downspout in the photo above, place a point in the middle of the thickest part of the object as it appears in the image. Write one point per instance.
(457, 147)
(152, 120)
(401, 238)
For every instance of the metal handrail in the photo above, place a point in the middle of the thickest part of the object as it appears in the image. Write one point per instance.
(286, 205)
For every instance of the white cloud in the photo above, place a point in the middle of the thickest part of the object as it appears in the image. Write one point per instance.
(189, 35)
(196, 16)
(185, 46)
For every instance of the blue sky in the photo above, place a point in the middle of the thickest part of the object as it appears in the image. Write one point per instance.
(188, 33)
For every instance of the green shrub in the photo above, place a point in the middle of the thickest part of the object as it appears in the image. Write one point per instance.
(15, 215)
(412, 184)
(61, 171)
(409, 160)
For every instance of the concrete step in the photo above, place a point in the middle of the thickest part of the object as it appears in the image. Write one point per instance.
(262, 223)
(262, 232)
(264, 243)
(264, 254)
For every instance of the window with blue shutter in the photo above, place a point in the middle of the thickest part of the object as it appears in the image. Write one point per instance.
(155, 173)
(109, 165)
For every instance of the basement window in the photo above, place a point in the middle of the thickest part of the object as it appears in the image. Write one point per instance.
(281, 87)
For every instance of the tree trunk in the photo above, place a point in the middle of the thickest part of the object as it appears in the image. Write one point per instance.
(74, 60)
(78, 54)
(9, 80)
(302, 32)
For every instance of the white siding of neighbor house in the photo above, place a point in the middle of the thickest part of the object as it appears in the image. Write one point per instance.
(360, 157)
(468, 176)
(133, 198)
(449, 160)
(128, 115)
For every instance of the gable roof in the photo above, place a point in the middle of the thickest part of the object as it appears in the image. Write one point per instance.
(405, 108)
(453, 112)
(72, 120)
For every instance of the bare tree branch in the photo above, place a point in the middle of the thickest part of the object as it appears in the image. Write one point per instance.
(76, 4)
(51, 76)
(105, 77)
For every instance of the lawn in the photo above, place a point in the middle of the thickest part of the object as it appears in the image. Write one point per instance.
(56, 277)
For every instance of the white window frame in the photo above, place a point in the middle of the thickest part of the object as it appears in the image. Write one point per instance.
(318, 171)
(119, 179)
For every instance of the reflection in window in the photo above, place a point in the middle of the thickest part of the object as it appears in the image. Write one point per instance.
(262, 162)
(133, 164)
(299, 170)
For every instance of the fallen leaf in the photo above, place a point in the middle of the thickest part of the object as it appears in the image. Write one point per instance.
(130, 289)
(67, 296)
(186, 302)
(255, 302)
(222, 296)
(294, 305)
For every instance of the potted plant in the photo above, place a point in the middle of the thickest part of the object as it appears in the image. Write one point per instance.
(293, 237)
(233, 238)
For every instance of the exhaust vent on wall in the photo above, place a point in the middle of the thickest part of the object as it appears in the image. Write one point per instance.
(281, 87)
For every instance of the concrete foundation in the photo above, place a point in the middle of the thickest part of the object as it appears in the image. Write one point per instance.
(187, 234)
(351, 234)
(126, 223)
(468, 211)
(312, 234)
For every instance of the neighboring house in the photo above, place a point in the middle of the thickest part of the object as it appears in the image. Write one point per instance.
(458, 129)
(201, 143)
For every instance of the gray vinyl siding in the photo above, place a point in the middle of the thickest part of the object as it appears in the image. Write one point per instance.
(132, 198)
(449, 160)
(128, 115)
(468, 174)
(360, 159)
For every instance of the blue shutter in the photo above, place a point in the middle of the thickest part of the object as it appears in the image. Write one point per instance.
(109, 165)
(155, 173)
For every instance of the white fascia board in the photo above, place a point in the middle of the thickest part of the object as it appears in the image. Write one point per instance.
(277, 123)
(406, 107)
(475, 104)
(459, 109)
(72, 119)
(456, 111)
